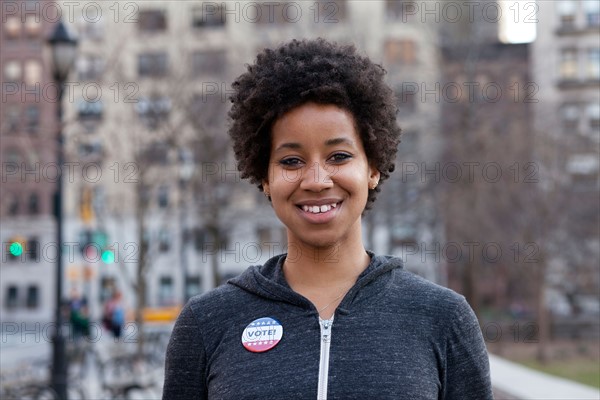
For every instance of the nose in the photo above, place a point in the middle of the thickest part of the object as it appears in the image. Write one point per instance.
(316, 178)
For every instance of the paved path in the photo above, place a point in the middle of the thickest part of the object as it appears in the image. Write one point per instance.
(517, 381)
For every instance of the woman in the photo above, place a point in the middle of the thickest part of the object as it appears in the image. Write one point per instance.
(314, 126)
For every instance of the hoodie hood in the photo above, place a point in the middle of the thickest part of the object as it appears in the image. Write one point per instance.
(267, 281)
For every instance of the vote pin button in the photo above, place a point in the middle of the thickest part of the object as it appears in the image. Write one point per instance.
(262, 334)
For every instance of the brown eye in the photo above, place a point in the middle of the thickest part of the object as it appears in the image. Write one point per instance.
(290, 162)
(338, 157)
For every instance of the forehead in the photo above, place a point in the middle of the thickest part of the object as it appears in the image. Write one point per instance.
(312, 121)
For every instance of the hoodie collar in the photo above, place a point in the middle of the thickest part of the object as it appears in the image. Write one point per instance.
(268, 281)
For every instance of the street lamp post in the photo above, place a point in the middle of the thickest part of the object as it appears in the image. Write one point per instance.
(64, 48)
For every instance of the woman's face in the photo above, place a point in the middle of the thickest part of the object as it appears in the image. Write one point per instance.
(319, 175)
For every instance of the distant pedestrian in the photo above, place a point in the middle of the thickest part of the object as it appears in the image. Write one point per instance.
(114, 315)
(78, 316)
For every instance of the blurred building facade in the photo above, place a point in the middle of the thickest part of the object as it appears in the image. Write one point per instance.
(152, 181)
(566, 67)
(405, 216)
(29, 170)
(148, 131)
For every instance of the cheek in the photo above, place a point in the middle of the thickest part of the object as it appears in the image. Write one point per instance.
(280, 181)
(287, 179)
(357, 176)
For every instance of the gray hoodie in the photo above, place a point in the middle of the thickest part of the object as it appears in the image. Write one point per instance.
(393, 336)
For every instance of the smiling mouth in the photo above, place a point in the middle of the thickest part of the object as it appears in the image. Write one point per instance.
(318, 209)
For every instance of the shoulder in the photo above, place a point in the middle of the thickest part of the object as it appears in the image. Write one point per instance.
(446, 311)
(215, 301)
(415, 291)
(421, 286)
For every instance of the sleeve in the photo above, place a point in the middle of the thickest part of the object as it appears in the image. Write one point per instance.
(185, 365)
(467, 373)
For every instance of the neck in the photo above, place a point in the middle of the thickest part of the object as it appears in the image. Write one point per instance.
(335, 267)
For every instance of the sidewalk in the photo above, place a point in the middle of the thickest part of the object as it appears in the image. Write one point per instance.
(92, 383)
(524, 383)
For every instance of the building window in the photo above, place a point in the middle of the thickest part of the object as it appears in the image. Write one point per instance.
(200, 239)
(165, 291)
(32, 118)
(193, 286)
(593, 114)
(33, 297)
(11, 119)
(570, 117)
(164, 240)
(153, 110)
(12, 71)
(90, 113)
(152, 64)
(156, 153)
(88, 110)
(152, 21)
(163, 196)
(12, 297)
(90, 67)
(32, 25)
(209, 15)
(400, 52)
(12, 28)
(10, 205)
(591, 8)
(33, 72)
(33, 249)
(211, 61)
(33, 205)
(593, 64)
(92, 150)
(568, 64)
(566, 10)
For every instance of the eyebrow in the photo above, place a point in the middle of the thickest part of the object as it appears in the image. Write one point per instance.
(330, 142)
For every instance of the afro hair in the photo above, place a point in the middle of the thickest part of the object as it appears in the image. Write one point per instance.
(318, 71)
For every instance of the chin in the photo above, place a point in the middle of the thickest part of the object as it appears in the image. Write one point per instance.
(322, 242)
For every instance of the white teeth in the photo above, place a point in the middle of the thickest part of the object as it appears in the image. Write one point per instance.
(319, 209)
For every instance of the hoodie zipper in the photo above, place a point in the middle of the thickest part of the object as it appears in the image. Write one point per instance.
(324, 359)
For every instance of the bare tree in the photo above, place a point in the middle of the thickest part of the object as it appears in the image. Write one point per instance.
(160, 122)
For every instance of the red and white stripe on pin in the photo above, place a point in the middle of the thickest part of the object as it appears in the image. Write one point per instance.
(262, 334)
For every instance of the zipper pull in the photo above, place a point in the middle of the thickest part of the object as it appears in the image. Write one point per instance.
(326, 330)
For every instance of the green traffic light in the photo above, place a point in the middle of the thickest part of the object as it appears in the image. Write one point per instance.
(108, 256)
(16, 249)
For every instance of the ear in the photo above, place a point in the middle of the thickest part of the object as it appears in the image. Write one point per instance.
(374, 176)
(266, 187)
